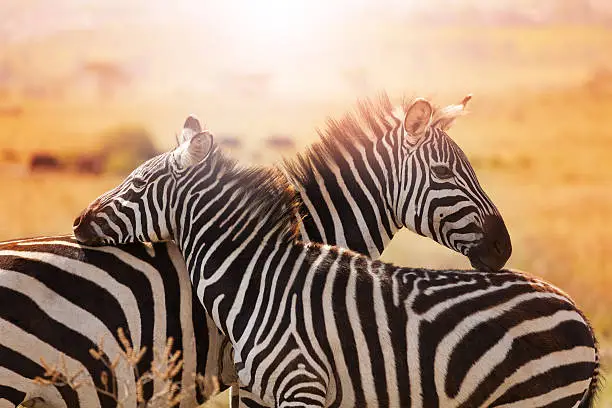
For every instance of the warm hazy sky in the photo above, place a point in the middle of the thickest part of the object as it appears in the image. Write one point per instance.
(301, 46)
(19, 18)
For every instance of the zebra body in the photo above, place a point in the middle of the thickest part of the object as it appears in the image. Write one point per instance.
(313, 325)
(367, 334)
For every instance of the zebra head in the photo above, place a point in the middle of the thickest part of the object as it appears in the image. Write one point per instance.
(141, 207)
(438, 194)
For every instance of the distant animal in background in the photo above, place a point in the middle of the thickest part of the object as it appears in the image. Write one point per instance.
(45, 162)
(280, 142)
(230, 141)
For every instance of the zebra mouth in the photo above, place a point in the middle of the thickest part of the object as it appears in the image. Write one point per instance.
(492, 253)
(92, 243)
(85, 235)
(484, 258)
(88, 241)
(481, 264)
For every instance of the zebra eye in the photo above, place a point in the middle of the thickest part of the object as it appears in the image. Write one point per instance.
(442, 172)
(138, 182)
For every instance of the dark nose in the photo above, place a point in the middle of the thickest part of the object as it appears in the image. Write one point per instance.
(495, 248)
(82, 229)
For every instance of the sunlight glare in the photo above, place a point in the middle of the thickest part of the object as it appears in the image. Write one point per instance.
(266, 30)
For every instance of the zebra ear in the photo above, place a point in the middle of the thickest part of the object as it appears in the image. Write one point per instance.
(199, 146)
(447, 116)
(190, 128)
(194, 150)
(418, 117)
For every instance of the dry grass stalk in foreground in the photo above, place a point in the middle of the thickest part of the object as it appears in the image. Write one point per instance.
(164, 368)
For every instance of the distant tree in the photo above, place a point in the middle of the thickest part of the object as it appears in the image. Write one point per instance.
(89, 164)
(126, 147)
(9, 155)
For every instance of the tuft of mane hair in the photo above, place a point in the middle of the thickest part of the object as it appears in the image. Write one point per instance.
(363, 126)
(266, 190)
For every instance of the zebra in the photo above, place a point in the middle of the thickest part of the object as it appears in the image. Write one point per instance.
(373, 174)
(317, 325)
(57, 296)
(326, 176)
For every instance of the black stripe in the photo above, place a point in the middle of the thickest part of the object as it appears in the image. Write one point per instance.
(548, 381)
(369, 329)
(11, 394)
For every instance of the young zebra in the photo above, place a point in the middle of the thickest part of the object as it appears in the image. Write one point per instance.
(350, 183)
(314, 325)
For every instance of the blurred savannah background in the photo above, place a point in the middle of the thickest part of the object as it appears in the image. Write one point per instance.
(89, 89)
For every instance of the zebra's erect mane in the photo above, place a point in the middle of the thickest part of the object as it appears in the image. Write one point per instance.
(265, 189)
(368, 121)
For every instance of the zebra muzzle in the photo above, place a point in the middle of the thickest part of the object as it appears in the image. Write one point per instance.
(492, 253)
(83, 230)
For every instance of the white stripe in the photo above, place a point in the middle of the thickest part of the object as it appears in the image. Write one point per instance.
(16, 381)
(186, 320)
(364, 354)
(550, 397)
(382, 322)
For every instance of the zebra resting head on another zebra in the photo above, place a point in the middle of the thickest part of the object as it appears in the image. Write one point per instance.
(316, 325)
(378, 170)
(344, 202)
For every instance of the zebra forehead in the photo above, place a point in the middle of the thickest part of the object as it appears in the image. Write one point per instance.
(152, 166)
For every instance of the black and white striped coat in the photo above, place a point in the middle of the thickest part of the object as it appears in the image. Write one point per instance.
(90, 292)
(57, 296)
(314, 325)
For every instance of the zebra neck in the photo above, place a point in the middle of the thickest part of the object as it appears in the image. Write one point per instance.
(219, 233)
(228, 267)
(343, 206)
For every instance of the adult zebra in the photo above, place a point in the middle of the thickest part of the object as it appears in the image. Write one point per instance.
(57, 296)
(314, 325)
(352, 184)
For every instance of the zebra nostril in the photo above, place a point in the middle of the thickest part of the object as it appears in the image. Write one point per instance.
(498, 247)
